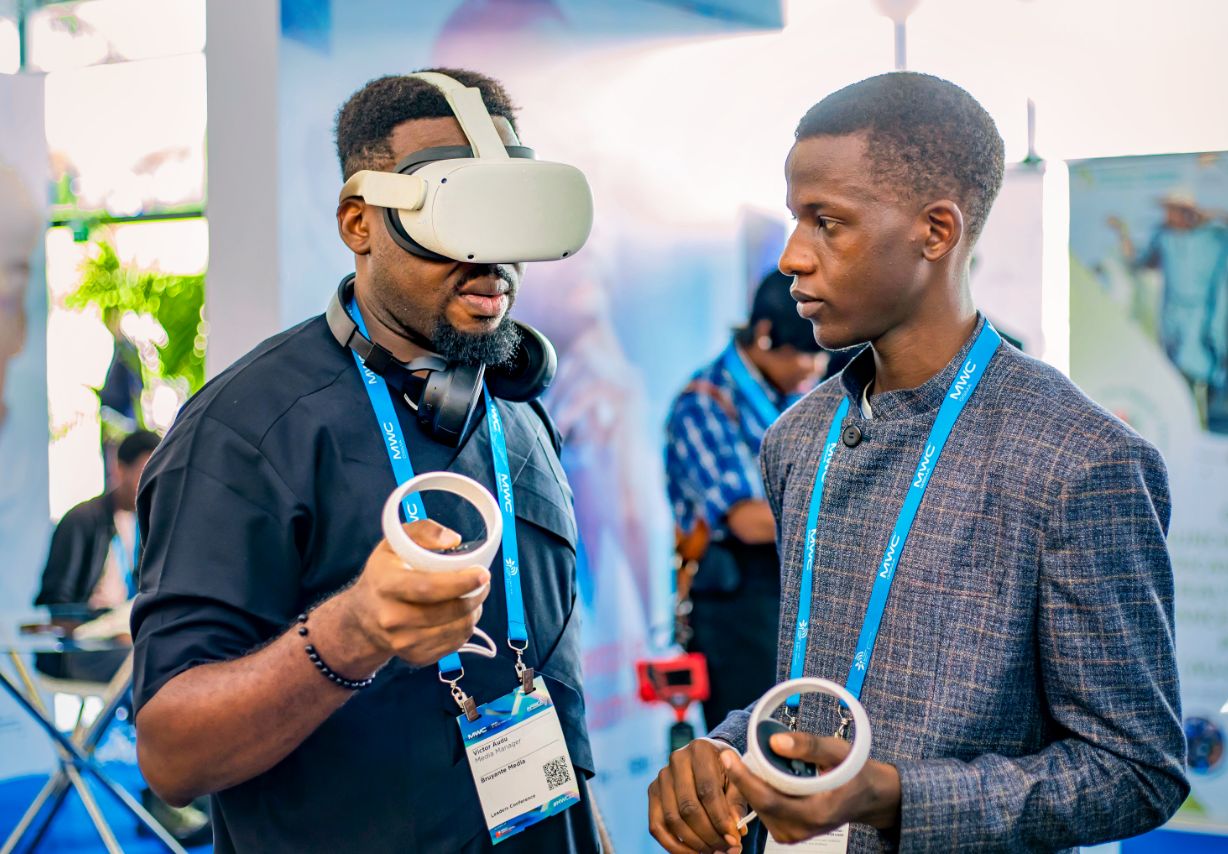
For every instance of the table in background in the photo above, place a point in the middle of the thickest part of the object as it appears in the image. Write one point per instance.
(75, 752)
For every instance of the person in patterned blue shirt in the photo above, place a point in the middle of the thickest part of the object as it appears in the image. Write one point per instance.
(712, 473)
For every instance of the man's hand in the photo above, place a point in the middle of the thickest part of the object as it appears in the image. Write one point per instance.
(872, 797)
(395, 610)
(692, 805)
(217, 725)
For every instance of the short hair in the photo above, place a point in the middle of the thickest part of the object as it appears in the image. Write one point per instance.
(135, 445)
(366, 120)
(926, 137)
(774, 303)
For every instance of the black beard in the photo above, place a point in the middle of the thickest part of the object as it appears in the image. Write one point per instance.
(492, 348)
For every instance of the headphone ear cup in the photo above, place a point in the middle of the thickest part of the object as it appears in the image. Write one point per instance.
(530, 371)
(448, 401)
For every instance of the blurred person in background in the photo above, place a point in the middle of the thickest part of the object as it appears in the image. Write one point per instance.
(92, 563)
(713, 434)
(1190, 249)
(92, 568)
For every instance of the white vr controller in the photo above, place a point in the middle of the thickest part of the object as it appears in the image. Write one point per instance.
(417, 557)
(795, 776)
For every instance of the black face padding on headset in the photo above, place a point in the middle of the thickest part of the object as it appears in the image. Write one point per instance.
(450, 392)
(412, 163)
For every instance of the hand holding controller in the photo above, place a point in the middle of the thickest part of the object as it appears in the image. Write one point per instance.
(795, 776)
(417, 557)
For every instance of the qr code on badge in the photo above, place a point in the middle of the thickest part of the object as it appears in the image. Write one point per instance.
(558, 772)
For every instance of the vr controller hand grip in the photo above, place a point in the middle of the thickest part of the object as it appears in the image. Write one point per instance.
(419, 558)
(794, 776)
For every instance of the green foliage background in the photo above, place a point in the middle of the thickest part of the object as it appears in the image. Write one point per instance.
(176, 302)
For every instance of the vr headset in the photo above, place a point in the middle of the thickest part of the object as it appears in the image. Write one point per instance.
(485, 203)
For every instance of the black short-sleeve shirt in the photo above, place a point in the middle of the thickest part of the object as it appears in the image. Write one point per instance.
(265, 498)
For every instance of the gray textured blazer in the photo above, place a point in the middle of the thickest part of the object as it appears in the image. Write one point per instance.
(1024, 681)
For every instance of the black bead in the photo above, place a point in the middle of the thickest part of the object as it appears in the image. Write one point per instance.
(335, 678)
(302, 630)
(302, 618)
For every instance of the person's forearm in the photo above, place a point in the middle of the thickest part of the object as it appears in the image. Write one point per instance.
(751, 521)
(217, 725)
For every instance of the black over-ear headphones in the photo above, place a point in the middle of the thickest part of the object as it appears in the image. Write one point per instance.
(414, 162)
(448, 395)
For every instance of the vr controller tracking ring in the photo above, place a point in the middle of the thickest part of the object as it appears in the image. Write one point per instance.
(794, 783)
(417, 557)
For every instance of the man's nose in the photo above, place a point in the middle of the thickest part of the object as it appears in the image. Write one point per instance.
(796, 259)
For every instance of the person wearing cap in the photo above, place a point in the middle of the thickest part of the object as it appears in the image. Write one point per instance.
(1190, 249)
(713, 434)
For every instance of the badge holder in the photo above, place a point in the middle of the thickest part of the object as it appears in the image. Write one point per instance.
(480, 554)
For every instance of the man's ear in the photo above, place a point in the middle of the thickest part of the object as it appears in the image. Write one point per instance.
(354, 222)
(944, 229)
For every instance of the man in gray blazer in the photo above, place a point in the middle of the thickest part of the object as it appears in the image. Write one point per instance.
(1012, 641)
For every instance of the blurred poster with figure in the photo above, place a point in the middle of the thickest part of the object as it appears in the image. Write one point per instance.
(25, 520)
(1006, 262)
(1149, 341)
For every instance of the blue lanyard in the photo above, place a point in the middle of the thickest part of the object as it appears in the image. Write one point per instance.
(128, 562)
(403, 469)
(962, 388)
(753, 391)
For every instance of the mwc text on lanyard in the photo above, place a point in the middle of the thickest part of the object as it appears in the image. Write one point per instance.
(451, 671)
(962, 387)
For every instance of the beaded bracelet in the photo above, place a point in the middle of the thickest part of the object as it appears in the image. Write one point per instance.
(336, 678)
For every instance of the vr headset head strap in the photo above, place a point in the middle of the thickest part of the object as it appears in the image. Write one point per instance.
(469, 109)
(386, 189)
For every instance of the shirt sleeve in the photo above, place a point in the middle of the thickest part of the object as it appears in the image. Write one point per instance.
(1107, 660)
(68, 560)
(709, 466)
(220, 572)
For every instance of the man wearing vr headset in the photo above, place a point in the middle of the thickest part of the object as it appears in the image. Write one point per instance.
(967, 542)
(285, 656)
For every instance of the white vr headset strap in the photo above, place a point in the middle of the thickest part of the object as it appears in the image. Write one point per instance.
(386, 189)
(466, 103)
